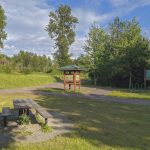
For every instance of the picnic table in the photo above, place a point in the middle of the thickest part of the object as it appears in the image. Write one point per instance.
(6, 111)
(24, 105)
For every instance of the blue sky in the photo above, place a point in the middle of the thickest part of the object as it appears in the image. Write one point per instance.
(27, 19)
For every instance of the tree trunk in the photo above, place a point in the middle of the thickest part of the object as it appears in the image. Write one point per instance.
(95, 79)
(130, 80)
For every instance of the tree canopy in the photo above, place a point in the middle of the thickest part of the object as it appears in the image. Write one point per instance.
(25, 62)
(61, 29)
(118, 55)
(3, 34)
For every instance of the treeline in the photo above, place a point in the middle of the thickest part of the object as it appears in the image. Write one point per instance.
(116, 56)
(25, 62)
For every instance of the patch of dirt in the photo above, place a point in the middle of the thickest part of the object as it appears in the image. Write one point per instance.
(32, 133)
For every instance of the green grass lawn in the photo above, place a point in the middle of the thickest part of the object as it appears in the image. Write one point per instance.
(21, 80)
(98, 125)
(135, 94)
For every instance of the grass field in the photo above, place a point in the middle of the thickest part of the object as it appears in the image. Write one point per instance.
(98, 125)
(135, 94)
(21, 80)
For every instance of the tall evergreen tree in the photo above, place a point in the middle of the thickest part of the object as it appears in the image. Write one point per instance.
(3, 34)
(61, 29)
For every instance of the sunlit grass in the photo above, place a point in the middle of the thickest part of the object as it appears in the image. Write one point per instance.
(135, 94)
(21, 80)
(98, 125)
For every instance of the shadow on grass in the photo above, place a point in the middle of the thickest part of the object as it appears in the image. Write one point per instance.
(6, 135)
(58, 78)
(103, 123)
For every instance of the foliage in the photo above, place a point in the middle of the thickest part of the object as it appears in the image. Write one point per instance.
(44, 127)
(61, 29)
(3, 34)
(25, 62)
(82, 61)
(96, 50)
(24, 119)
(118, 55)
(28, 62)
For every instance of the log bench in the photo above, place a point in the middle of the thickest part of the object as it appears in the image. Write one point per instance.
(6, 111)
(43, 113)
(40, 110)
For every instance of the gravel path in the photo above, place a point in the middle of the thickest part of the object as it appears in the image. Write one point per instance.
(100, 94)
(16, 133)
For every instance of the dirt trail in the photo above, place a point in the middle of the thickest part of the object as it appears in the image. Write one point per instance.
(100, 94)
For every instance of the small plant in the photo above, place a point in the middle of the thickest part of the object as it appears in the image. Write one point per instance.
(24, 119)
(45, 128)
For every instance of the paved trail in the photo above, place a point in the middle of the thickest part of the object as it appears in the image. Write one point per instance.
(90, 92)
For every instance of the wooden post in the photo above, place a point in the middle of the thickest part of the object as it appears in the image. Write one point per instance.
(79, 81)
(20, 111)
(36, 113)
(69, 86)
(64, 80)
(46, 121)
(74, 80)
(5, 121)
(28, 111)
(144, 78)
(130, 80)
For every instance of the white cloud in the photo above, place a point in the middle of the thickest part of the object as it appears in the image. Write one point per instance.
(129, 4)
(26, 21)
(120, 8)
(87, 18)
(77, 47)
(117, 3)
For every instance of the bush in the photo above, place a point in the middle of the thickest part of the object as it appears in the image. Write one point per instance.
(45, 128)
(24, 119)
(49, 71)
(8, 69)
(5, 69)
(26, 70)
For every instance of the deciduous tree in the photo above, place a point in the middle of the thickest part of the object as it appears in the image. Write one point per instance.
(3, 34)
(61, 29)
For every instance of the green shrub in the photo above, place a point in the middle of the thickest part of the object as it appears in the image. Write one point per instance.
(5, 69)
(8, 69)
(24, 119)
(49, 70)
(45, 128)
(26, 70)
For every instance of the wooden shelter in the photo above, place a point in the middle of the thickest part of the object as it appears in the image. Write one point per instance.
(72, 76)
